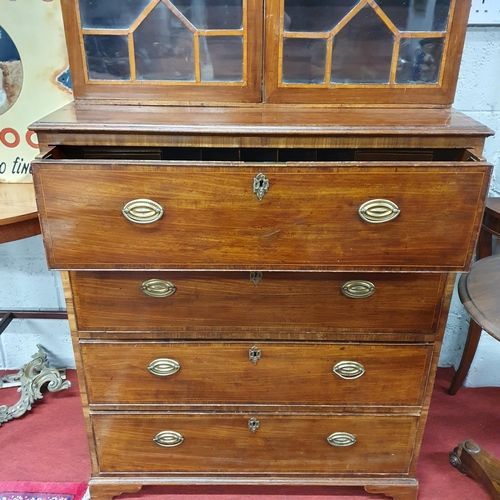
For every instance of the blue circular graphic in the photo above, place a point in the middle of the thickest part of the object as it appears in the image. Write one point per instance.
(11, 72)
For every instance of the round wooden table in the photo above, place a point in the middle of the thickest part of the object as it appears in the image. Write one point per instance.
(490, 226)
(18, 212)
(479, 291)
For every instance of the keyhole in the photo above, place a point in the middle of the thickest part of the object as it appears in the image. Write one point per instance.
(260, 185)
(254, 354)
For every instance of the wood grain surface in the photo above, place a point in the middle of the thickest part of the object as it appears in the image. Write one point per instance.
(480, 294)
(221, 373)
(212, 220)
(18, 212)
(280, 303)
(283, 443)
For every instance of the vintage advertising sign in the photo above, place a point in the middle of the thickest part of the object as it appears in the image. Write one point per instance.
(34, 79)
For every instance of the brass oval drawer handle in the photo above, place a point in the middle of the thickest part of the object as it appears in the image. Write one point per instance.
(168, 439)
(358, 289)
(163, 367)
(341, 439)
(142, 211)
(378, 211)
(158, 288)
(349, 370)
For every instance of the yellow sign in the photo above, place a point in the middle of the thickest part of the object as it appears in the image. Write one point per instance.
(34, 79)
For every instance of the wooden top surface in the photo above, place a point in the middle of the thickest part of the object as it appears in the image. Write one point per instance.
(263, 119)
(18, 212)
(17, 203)
(480, 294)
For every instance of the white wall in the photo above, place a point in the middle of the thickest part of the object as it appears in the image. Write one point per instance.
(25, 281)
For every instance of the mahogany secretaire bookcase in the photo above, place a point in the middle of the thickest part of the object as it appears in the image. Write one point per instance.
(259, 208)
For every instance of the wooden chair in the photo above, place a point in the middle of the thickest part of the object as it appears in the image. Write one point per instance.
(490, 227)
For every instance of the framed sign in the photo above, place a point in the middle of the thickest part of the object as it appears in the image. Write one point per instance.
(34, 79)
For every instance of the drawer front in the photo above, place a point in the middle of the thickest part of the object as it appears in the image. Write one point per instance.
(224, 443)
(277, 301)
(309, 218)
(264, 373)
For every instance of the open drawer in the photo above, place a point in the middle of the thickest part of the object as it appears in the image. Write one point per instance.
(371, 210)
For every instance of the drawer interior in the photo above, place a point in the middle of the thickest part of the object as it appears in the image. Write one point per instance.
(253, 155)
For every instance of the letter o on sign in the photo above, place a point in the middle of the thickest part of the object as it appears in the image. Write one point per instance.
(29, 135)
(6, 140)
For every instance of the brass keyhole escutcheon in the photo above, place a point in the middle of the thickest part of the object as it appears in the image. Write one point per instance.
(254, 354)
(260, 185)
(253, 425)
(256, 277)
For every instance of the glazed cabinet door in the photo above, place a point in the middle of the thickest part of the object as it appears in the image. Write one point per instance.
(313, 51)
(363, 51)
(165, 50)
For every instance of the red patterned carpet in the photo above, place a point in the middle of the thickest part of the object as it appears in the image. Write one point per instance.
(23, 490)
(49, 445)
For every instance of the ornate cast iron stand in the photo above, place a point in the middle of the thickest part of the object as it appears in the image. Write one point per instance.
(31, 378)
(18, 220)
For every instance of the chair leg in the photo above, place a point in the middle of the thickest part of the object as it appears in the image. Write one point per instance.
(484, 245)
(470, 348)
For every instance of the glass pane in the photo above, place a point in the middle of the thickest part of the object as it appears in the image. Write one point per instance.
(315, 15)
(417, 15)
(118, 14)
(164, 47)
(107, 57)
(212, 14)
(362, 50)
(419, 60)
(221, 58)
(304, 60)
